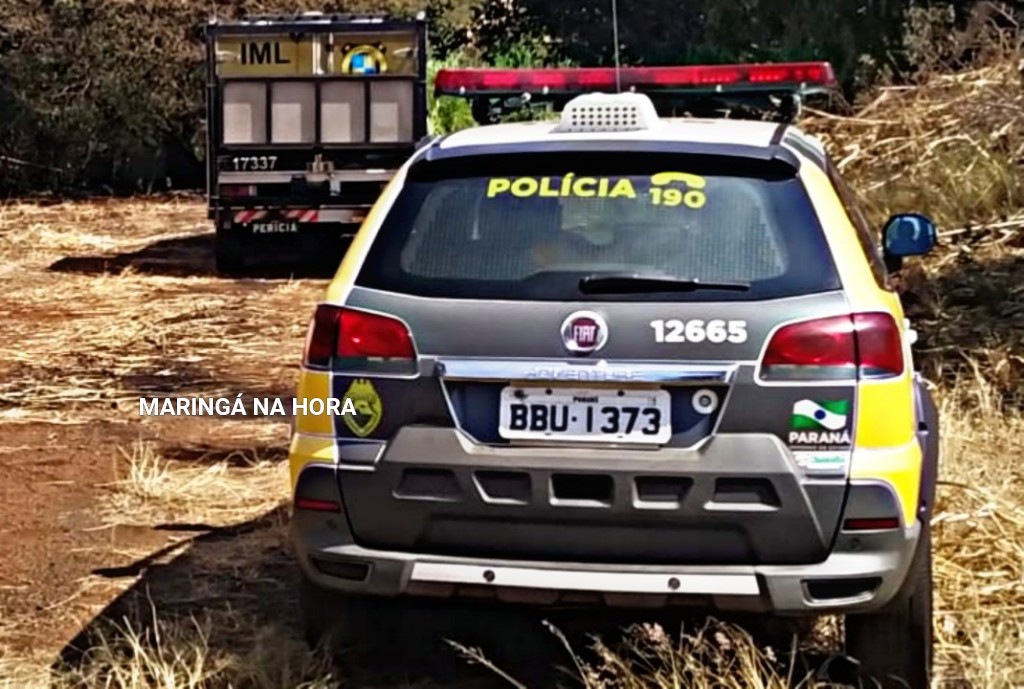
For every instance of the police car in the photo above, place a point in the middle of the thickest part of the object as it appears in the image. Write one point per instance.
(618, 358)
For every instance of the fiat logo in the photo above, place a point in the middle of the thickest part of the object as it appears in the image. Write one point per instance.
(584, 332)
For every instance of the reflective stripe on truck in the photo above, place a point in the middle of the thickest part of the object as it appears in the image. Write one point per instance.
(244, 217)
(303, 215)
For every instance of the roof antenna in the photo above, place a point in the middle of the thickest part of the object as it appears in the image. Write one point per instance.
(615, 31)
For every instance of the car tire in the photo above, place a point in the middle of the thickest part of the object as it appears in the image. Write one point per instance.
(894, 645)
(343, 622)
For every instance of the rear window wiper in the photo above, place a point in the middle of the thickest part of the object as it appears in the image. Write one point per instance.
(636, 283)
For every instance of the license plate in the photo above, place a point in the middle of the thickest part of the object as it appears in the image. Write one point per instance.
(608, 415)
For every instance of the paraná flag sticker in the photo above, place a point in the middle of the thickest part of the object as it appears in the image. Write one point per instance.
(809, 415)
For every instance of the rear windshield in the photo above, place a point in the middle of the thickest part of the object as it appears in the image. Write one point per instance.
(533, 227)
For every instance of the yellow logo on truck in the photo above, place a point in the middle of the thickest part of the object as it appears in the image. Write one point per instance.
(363, 59)
(368, 406)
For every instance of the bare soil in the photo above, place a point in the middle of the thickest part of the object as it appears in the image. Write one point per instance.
(51, 541)
(99, 309)
(107, 516)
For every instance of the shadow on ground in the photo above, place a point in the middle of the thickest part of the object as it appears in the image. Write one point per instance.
(243, 577)
(191, 256)
(971, 310)
(206, 453)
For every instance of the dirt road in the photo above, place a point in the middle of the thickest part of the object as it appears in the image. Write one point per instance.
(102, 304)
(108, 516)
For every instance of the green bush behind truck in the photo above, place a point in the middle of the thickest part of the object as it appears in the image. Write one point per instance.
(308, 118)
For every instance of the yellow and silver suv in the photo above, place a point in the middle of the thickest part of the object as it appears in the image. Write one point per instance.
(621, 356)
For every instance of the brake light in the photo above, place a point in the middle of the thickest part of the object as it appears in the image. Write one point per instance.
(350, 337)
(864, 345)
(372, 336)
(871, 524)
(313, 505)
(465, 81)
(322, 339)
(879, 345)
(234, 191)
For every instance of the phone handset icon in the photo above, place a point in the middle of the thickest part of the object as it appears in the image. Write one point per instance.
(694, 197)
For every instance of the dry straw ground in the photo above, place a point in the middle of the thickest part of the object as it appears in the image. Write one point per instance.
(163, 540)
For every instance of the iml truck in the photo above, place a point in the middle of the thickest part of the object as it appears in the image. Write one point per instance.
(308, 117)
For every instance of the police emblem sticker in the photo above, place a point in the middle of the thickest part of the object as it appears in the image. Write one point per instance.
(368, 408)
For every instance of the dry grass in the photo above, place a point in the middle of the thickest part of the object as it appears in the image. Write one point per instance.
(979, 531)
(949, 145)
(952, 146)
(184, 654)
(159, 491)
(138, 317)
(22, 673)
(718, 655)
(220, 647)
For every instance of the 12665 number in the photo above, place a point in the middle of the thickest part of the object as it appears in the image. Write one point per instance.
(715, 331)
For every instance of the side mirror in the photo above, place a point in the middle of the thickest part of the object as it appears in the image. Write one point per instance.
(909, 234)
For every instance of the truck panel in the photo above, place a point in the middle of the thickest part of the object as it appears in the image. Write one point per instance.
(308, 119)
(332, 112)
(268, 56)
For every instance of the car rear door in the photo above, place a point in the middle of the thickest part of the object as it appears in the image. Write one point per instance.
(647, 356)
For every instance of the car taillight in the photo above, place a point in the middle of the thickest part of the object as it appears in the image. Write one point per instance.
(322, 339)
(879, 345)
(375, 337)
(355, 339)
(871, 524)
(865, 345)
(313, 505)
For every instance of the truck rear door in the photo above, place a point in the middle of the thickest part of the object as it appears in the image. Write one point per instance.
(309, 119)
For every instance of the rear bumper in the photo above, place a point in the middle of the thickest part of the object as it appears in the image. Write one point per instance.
(419, 517)
(863, 573)
(310, 235)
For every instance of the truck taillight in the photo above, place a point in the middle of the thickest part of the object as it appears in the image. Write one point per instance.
(233, 191)
(862, 345)
(353, 339)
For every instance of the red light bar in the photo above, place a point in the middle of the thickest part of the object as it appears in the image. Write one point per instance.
(781, 76)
